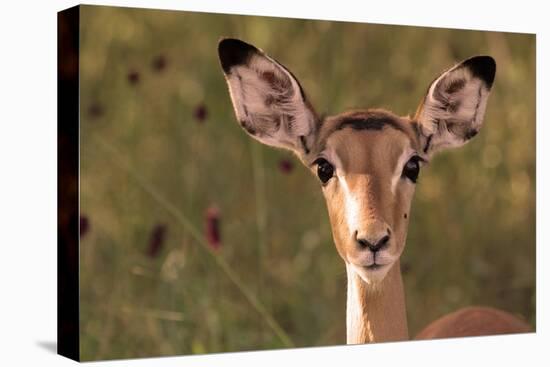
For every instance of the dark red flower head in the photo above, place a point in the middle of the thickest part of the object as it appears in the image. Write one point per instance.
(200, 113)
(286, 166)
(133, 77)
(405, 267)
(212, 227)
(156, 241)
(159, 63)
(95, 110)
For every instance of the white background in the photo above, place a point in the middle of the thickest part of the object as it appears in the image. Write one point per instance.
(28, 182)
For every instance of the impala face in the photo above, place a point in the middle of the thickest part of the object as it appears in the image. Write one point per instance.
(368, 164)
(367, 161)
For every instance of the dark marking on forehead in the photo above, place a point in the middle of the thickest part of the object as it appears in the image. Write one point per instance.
(369, 123)
(369, 120)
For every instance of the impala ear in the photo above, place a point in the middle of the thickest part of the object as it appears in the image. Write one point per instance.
(268, 100)
(453, 109)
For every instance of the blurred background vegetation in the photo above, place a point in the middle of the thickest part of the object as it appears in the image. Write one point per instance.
(196, 239)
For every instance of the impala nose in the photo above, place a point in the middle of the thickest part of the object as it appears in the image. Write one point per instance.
(373, 243)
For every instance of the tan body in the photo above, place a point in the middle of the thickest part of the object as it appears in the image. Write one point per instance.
(474, 321)
(367, 162)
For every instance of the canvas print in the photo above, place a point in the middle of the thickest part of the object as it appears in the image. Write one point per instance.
(233, 183)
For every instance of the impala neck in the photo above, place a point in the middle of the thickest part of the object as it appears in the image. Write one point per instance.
(376, 314)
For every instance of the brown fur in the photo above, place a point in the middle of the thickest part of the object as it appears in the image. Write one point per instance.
(474, 321)
(333, 123)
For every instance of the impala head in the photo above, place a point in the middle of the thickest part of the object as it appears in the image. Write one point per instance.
(367, 161)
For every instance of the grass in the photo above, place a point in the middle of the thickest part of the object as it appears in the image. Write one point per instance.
(160, 146)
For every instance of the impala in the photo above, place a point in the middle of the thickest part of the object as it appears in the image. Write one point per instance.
(367, 162)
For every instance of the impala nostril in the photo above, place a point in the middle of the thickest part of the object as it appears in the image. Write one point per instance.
(374, 247)
(364, 243)
(383, 242)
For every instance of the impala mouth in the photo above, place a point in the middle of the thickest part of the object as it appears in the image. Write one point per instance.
(375, 263)
(372, 269)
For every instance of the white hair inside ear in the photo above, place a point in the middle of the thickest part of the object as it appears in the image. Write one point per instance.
(454, 107)
(269, 102)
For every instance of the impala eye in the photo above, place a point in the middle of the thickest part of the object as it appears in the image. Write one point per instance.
(325, 170)
(412, 169)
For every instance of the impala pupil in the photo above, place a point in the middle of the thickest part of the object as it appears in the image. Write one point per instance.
(412, 169)
(325, 170)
